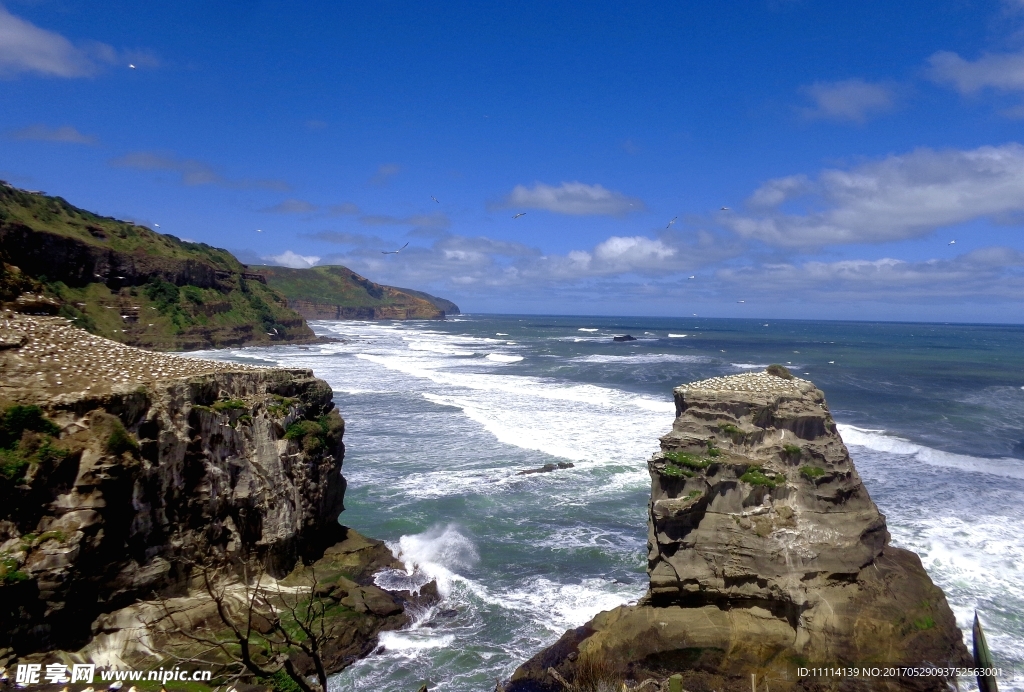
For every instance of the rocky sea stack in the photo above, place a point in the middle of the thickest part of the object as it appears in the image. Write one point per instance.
(765, 554)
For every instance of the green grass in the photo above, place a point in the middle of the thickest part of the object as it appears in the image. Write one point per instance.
(9, 572)
(314, 434)
(729, 429)
(688, 460)
(812, 472)
(924, 623)
(15, 420)
(228, 405)
(281, 406)
(755, 475)
(674, 471)
(792, 450)
(693, 494)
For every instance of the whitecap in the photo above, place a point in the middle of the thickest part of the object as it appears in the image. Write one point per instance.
(676, 336)
(880, 440)
(503, 358)
(749, 366)
(585, 329)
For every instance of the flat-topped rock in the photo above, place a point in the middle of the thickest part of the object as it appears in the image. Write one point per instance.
(49, 356)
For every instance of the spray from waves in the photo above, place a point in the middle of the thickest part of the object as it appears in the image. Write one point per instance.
(878, 440)
(432, 555)
(677, 336)
(586, 329)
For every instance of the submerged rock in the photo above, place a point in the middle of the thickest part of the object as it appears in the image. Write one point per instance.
(627, 337)
(765, 553)
(548, 468)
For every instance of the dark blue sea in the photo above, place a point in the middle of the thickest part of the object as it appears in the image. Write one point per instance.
(441, 415)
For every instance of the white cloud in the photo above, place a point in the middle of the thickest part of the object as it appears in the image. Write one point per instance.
(385, 172)
(42, 133)
(192, 171)
(291, 206)
(896, 198)
(635, 252)
(435, 221)
(991, 273)
(24, 47)
(850, 99)
(293, 260)
(577, 199)
(1002, 71)
(778, 190)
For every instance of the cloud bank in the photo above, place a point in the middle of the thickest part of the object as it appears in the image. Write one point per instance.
(576, 199)
(896, 198)
(42, 133)
(192, 171)
(852, 100)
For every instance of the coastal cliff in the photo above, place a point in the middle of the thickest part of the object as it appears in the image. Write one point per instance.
(130, 284)
(333, 292)
(122, 471)
(765, 553)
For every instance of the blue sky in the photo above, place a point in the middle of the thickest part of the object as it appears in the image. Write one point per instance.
(849, 143)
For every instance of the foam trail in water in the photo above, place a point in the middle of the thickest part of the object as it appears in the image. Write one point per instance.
(878, 440)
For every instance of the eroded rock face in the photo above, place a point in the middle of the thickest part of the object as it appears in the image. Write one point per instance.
(765, 553)
(207, 473)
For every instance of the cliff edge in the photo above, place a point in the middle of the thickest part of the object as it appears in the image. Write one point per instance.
(123, 472)
(765, 554)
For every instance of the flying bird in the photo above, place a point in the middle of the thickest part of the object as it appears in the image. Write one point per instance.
(434, 198)
(259, 230)
(952, 242)
(831, 362)
(741, 301)
(522, 213)
(156, 225)
(724, 209)
(131, 66)
(672, 221)
(394, 252)
(691, 277)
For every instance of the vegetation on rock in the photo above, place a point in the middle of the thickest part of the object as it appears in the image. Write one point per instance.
(128, 283)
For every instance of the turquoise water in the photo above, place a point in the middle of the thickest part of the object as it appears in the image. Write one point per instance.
(441, 416)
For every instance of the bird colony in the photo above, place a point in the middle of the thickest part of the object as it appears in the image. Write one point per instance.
(748, 382)
(48, 354)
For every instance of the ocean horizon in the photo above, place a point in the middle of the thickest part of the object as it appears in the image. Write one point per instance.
(441, 417)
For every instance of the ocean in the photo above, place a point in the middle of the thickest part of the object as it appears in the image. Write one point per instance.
(441, 417)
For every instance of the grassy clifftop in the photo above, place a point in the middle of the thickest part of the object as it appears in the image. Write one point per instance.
(130, 284)
(336, 292)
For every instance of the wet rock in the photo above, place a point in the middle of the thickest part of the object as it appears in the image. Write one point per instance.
(548, 468)
(627, 337)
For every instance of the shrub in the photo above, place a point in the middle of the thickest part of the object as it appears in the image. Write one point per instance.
(9, 571)
(713, 451)
(779, 371)
(676, 471)
(120, 440)
(25, 439)
(228, 405)
(688, 460)
(17, 419)
(811, 472)
(792, 450)
(314, 434)
(755, 475)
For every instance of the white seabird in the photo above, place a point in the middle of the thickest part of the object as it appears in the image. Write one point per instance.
(522, 213)
(672, 221)
(952, 242)
(394, 252)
